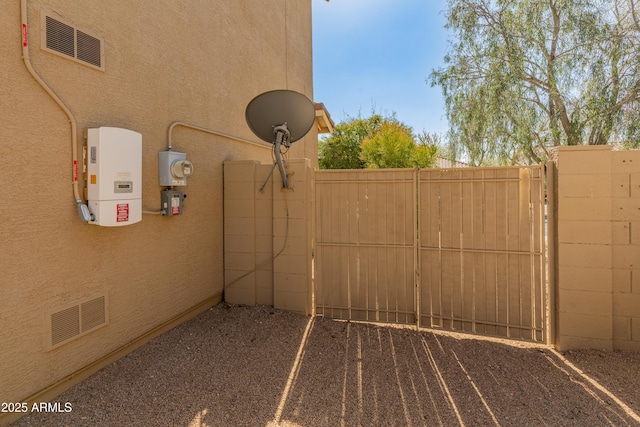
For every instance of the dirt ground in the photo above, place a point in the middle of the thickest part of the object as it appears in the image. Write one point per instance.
(256, 366)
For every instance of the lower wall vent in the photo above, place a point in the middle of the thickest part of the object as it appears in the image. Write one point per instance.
(93, 314)
(73, 321)
(65, 325)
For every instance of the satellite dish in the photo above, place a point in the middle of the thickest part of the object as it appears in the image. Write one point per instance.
(277, 107)
(280, 117)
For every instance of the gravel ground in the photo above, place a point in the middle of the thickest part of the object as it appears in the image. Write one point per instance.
(256, 366)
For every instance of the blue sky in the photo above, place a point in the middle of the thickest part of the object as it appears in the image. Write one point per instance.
(378, 54)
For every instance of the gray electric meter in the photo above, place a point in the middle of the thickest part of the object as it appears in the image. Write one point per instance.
(173, 168)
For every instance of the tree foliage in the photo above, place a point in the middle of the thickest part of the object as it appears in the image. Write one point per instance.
(375, 142)
(525, 75)
(341, 150)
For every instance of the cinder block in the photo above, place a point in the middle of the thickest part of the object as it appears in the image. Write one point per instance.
(598, 232)
(635, 232)
(578, 255)
(239, 208)
(292, 209)
(291, 301)
(291, 282)
(625, 209)
(621, 328)
(625, 161)
(264, 261)
(264, 226)
(264, 296)
(634, 185)
(239, 261)
(585, 279)
(584, 209)
(635, 281)
(291, 227)
(264, 243)
(585, 302)
(567, 342)
(626, 345)
(626, 305)
(580, 160)
(235, 190)
(620, 232)
(295, 245)
(239, 279)
(296, 192)
(240, 296)
(294, 264)
(585, 186)
(239, 170)
(620, 185)
(621, 280)
(635, 328)
(297, 177)
(626, 256)
(267, 268)
(264, 279)
(239, 227)
(240, 244)
(586, 326)
(264, 208)
(300, 164)
(263, 171)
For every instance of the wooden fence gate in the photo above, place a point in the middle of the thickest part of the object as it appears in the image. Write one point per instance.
(459, 249)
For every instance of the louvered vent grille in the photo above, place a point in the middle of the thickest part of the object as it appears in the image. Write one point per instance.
(73, 43)
(89, 49)
(60, 37)
(93, 314)
(65, 324)
(77, 320)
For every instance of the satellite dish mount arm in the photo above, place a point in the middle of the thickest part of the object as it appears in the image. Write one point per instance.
(282, 137)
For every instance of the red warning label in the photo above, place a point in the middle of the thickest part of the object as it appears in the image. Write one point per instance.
(122, 212)
(175, 206)
(25, 35)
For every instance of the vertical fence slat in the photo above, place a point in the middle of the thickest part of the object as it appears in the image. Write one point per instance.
(479, 259)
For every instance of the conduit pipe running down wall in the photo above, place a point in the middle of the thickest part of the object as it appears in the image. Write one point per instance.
(83, 210)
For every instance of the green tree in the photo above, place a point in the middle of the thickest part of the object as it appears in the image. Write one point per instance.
(427, 150)
(376, 142)
(341, 150)
(391, 147)
(525, 75)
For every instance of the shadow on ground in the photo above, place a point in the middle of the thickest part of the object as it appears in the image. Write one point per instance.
(234, 366)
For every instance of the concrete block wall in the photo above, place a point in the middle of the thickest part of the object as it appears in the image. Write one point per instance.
(625, 235)
(268, 235)
(292, 238)
(598, 305)
(240, 232)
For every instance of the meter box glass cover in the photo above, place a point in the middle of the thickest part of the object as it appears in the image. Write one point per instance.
(114, 176)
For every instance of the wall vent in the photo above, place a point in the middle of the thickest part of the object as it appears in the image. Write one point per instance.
(62, 38)
(70, 322)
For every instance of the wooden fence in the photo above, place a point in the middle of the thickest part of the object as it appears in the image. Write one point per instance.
(459, 249)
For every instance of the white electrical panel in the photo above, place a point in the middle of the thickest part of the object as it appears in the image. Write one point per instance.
(114, 176)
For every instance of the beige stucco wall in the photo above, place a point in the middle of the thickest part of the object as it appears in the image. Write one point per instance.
(197, 61)
(599, 248)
